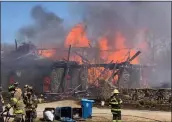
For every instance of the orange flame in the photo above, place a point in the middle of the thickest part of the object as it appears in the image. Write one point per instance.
(47, 53)
(77, 37)
(119, 55)
(103, 45)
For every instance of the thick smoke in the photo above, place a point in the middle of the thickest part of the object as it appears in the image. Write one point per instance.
(128, 17)
(46, 29)
(105, 18)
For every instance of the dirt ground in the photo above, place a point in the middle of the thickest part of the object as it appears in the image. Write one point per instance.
(101, 114)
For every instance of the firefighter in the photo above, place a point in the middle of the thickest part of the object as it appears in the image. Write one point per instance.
(31, 105)
(18, 92)
(1, 105)
(17, 105)
(25, 93)
(11, 88)
(34, 97)
(25, 96)
(16, 84)
(115, 103)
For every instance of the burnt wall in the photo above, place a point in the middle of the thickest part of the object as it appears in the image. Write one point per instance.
(76, 77)
(56, 76)
(130, 78)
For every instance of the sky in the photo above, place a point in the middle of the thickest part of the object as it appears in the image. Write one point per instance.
(15, 15)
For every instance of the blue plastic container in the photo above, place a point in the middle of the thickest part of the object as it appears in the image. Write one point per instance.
(87, 106)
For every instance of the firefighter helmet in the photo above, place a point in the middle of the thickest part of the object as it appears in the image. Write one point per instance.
(11, 88)
(12, 92)
(16, 83)
(116, 91)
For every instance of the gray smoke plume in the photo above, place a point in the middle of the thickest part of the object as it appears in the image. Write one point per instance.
(128, 17)
(105, 18)
(46, 29)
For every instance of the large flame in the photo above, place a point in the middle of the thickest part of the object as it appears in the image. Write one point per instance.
(118, 55)
(77, 37)
(119, 50)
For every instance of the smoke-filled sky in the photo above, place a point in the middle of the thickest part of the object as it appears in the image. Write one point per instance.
(100, 17)
(50, 22)
(15, 15)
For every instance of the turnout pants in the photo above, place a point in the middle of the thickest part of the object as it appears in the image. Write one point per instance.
(116, 116)
(19, 118)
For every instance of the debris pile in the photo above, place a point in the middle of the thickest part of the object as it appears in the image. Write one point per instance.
(154, 99)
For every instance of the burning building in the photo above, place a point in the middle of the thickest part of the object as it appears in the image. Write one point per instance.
(86, 63)
(45, 75)
(26, 67)
(107, 35)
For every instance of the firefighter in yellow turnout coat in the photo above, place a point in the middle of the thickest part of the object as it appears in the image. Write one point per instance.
(115, 103)
(18, 107)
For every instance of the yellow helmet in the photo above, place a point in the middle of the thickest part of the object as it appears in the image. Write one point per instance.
(116, 91)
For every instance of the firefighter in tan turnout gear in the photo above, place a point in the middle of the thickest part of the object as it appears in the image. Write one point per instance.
(115, 103)
(18, 92)
(17, 105)
(30, 105)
